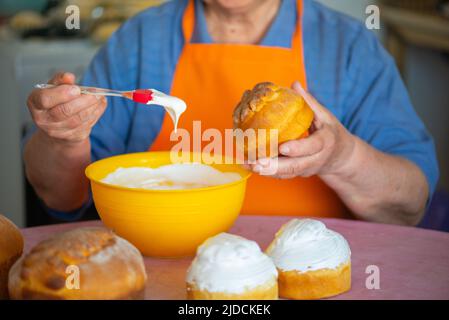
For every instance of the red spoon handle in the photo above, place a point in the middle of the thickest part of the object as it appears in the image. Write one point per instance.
(142, 95)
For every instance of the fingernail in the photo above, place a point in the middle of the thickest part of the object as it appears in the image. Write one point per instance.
(285, 150)
(75, 91)
(257, 168)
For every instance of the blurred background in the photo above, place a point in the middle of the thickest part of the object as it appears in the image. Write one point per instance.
(34, 44)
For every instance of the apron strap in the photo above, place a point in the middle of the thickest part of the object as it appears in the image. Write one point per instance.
(188, 21)
(297, 36)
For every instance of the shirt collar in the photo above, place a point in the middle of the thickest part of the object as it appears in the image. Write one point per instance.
(279, 34)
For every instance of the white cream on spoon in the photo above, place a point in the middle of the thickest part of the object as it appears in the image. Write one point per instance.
(173, 105)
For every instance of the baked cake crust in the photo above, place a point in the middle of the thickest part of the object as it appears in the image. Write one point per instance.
(269, 106)
(315, 284)
(109, 267)
(267, 291)
(11, 248)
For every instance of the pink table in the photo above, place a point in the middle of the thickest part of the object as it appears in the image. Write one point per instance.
(413, 263)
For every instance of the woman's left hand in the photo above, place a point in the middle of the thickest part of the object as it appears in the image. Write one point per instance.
(324, 152)
(374, 185)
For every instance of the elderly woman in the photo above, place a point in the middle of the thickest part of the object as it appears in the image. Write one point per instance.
(368, 156)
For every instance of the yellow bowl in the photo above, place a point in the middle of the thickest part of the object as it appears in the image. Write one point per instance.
(165, 223)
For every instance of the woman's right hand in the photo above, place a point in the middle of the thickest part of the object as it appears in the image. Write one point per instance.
(64, 114)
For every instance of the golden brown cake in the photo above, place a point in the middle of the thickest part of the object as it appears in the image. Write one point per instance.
(313, 262)
(11, 247)
(229, 267)
(109, 267)
(269, 106)
(269, 291)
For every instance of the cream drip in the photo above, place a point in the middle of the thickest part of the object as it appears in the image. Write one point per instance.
(170, 177)
(307, 245)
(173, 105)
(232, 264)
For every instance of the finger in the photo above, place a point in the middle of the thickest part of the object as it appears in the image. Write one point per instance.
(266, 166)
(304, 147)
(79, 119)
(291, 167)
(286, 167)
(102, 108)
(70, 123)
(62, 78)
(91, 115)
(261, 166)
(319, 111)
(76, 125)
(48, 98)
(75, 134)
(72, 107)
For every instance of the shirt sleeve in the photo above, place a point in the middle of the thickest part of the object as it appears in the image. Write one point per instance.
(377, 107)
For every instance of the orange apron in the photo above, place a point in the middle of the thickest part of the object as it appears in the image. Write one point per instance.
(211, 78)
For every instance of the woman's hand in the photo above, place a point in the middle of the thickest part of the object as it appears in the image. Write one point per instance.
(59, 151)
(325, 151)
(374, 185)
(62, 113)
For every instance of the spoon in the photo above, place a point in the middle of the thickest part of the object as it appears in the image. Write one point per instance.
(173, 105)
(138, 95)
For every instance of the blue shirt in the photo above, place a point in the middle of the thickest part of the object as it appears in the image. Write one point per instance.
(347, 69)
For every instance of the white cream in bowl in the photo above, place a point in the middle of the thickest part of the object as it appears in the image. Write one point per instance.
(170, 177)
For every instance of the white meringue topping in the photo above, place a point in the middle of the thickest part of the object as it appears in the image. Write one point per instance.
(231, 264)
(306, 245)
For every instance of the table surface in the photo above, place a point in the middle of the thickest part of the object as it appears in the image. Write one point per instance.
(413, 263)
